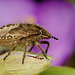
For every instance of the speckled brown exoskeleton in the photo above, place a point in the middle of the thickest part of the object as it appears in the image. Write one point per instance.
(24, 34)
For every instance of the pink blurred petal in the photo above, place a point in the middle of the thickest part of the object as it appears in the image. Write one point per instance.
(58, 18)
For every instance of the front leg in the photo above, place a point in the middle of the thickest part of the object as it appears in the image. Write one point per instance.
(48, 44)
(41, 50)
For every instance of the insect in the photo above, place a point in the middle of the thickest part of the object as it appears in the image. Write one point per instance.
(24, 34)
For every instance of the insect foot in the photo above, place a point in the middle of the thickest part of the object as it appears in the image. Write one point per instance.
(45, 56)
(23, 61)
(5, 57)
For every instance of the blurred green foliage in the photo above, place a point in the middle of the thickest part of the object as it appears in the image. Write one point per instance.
(6, 49)
(72, 0)
(59, 71)
(71, 61)
(3, 50)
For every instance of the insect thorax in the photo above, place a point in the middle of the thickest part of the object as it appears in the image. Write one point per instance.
(30, 39)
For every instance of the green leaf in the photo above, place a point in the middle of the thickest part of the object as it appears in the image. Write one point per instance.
(32, 66)
(59, 71)
(4, 49)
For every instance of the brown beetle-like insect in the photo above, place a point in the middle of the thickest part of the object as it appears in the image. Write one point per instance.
(24, 34)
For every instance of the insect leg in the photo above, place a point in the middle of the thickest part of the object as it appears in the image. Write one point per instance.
(48, 44)
(24, 53)
(41, 50)
(31, 48)
(12, 48)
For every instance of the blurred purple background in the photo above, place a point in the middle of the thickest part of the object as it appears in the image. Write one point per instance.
(58, 17)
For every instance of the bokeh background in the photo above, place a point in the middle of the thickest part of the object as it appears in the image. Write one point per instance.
(56, 16)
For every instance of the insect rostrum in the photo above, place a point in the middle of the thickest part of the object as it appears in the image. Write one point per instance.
(24, 34)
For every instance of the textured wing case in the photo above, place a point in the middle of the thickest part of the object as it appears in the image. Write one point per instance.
(18, 30)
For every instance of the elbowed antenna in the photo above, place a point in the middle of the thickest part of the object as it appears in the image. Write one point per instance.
(54, 37)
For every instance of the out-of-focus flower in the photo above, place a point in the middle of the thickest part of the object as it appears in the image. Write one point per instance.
(56, 17)
(14, 11)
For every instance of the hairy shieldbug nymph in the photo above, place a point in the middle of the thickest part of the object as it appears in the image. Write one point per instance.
(24, 34)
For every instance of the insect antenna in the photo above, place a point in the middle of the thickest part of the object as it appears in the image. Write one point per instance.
(54, 37)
